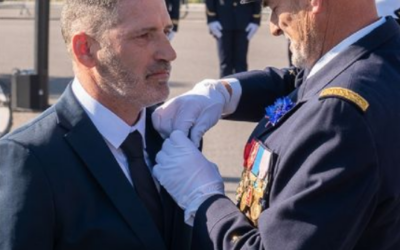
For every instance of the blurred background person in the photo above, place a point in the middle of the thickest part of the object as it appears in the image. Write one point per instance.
(233, 25)
(173, 7)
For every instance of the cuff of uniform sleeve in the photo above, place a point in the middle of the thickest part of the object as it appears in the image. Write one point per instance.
(212, 211)
(200, 196)
(231, 106)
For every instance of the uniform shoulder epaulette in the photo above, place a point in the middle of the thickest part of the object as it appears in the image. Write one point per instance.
(345, 94)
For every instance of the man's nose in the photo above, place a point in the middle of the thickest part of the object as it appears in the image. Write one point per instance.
(165, 51)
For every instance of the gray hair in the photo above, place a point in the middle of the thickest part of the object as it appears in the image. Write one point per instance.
(90, 16)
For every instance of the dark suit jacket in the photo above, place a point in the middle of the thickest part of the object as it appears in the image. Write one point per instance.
(232, 15)
(335, 165)
(61, 188)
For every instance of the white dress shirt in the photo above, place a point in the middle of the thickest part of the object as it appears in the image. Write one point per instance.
(322, 62)
(113, 129)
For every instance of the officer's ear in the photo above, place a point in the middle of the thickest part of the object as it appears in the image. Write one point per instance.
(83, 49)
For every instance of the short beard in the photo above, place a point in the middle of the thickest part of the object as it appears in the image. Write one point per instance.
(307, 49)
(115, 80)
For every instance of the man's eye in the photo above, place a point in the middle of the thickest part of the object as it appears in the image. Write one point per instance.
(144, 36)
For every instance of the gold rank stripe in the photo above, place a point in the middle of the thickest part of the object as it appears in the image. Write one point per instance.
(175, 21)
(347, 95)
(209, 13)
(257, 16)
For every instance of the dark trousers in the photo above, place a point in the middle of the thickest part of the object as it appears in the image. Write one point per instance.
(232, 52)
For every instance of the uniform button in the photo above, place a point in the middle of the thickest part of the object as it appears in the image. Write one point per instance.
(234, 4)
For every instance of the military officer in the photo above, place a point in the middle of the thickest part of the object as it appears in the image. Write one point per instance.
(233, 25)
(173, 7)
(321, 169)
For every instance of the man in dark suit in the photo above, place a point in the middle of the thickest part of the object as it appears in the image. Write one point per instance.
(79, 175)
(233, 25)
(321, 169)
(173, 7)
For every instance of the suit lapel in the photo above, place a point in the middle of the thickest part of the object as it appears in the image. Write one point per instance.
(90, 146)
(176, 232)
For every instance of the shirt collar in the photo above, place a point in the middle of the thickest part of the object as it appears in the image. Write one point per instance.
(344, 45)
(110, 126)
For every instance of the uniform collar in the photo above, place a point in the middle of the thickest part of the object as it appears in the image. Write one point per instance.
(343, 46)
(376, 38)
(110, 126)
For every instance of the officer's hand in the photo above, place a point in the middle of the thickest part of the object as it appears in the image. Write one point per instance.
(215, 29)
(186, 174)
(196, 110)
(251, 29)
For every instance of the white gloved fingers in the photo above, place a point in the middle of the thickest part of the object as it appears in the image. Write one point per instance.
(196, 134)
(161, 123)
(178, 138)
(251, 29)
(172, 115)
(215, 29)
(169, 148)
(161, 158)
(203, 124)
(186, 117)
(216, 33)
(218, 25)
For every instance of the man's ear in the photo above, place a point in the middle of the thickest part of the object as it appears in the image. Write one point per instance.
(83, 49)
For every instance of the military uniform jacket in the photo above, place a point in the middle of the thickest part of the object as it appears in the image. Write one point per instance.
(232, 15)
(335, 171)
(61, 188)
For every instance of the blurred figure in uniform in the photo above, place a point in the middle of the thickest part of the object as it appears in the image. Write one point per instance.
(173, 7)
(233, 25)
(389, 8)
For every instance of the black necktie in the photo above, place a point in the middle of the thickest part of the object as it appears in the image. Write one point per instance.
(141, 177)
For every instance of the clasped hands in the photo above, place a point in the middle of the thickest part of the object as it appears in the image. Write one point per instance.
(181, 168)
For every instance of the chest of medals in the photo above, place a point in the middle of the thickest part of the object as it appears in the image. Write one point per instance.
(253, 189)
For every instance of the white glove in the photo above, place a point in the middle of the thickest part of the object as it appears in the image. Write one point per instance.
(215, 29)
(186, 174)
(196, 110)
(251, 29)
(171, 35)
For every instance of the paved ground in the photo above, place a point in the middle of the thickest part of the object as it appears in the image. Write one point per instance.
(197, 59)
